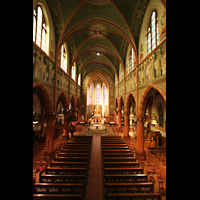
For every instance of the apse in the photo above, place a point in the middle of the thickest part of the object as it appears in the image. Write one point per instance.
(97, 97)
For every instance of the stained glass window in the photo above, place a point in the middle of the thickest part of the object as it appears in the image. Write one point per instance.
(34, 24)
(63, 58)
(98, 94)
(39, 28)
(104, 94)
(91, 94)
(73, 71)
(79, 79)
(152, 32)
(131, 60)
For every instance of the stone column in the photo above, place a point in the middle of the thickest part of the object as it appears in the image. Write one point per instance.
(50, 136)
(119, 118)
(78, 115)
(140, 137)
(115, 113)
(126, 124)
(42, 119)
(66, 124)
(149, 119)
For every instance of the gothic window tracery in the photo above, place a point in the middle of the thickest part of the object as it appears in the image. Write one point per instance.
(39, 28)
(152, 32)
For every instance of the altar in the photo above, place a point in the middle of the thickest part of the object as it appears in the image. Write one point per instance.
(97, 120)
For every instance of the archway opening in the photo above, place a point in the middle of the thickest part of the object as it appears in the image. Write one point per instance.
(154, 109)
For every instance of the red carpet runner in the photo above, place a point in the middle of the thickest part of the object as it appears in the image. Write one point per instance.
(94, 186)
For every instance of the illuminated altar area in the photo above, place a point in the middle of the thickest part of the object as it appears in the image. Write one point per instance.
(97, 101)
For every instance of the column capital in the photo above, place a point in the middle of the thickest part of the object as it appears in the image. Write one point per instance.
(140, 118)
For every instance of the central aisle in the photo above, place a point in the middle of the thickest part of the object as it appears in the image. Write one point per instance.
(94, 186)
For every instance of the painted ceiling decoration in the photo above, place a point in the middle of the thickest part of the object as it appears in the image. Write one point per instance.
(98, 2)
(98, 32)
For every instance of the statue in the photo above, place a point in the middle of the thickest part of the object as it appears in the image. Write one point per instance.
(37, 63)
(151, 68)
(157, 64)
(163, 63)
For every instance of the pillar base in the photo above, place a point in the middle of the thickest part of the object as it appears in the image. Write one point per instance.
(51, 154)
(141, 155)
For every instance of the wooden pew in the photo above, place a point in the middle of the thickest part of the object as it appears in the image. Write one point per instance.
(117, 154)
(125, 178)
(62, 178)
(70, 146)
(106, 137)
(130, 187)
(116, 151)
(60, 187)
(112, 142)
(75, 150)
(83, 138)
(68, 170)
(119, 159)
(79, 142)
(57, 196)
(141, 196)
(73, 154)
(155, 150)
(115, 147)
(69, 164)
(137, 170)
(71, 159)
(59, 170)
(121, 164)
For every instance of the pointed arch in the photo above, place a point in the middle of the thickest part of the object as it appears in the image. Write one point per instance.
(116, 104)
(128, 101)
(120, 102)
(45, 96)
(101, 76)
(146, 94)
(63, 99)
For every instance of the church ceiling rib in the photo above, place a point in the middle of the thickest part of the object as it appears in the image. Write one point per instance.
(87, 25)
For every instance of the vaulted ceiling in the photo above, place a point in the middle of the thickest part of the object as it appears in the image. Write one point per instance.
(97, 31)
